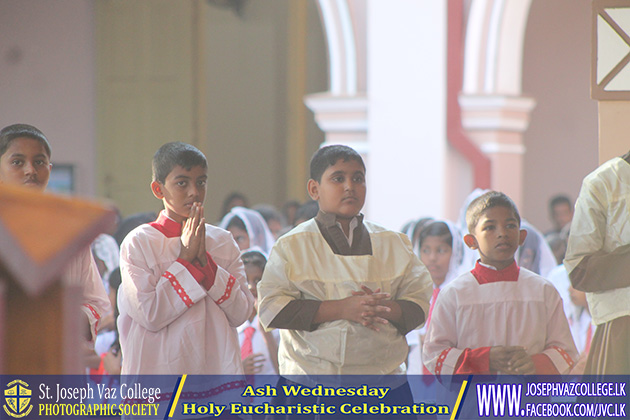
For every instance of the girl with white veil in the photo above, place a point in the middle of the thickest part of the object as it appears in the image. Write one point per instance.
(441, 249)
(248, 228)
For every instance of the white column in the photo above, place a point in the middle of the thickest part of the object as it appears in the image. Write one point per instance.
(407, 110)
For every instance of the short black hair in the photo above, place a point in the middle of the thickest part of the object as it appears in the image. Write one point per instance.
(255, 258)
(227, 203)
(15, 131)
(328, 156)
(238, 223)
(307, 211)
(173, 154)
(436, 229)
(559, 199)
(485, 202)
(270, 213)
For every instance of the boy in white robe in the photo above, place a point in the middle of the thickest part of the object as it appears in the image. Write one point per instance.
(344, 292)
(183, 290)
(498, 318)
(25, 161)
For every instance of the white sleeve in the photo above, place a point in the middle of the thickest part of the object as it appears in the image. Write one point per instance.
(82, 271)
(559, 346)
(275, 290)
(416, 286)
(588, 226)
(230, 290)
(439, 352)
(154, 300)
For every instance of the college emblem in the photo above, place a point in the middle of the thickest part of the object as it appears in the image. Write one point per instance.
(18, 399)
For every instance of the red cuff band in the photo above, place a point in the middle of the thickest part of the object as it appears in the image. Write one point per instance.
(192, 269)
(209, 271)
(543, 365)
(473, 361)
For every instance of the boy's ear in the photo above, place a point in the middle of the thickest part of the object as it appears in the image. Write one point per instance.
(156, 187)
(470, 241)
(523, 235)
(313, 189)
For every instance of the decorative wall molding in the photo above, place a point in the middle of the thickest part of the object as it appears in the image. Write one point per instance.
(495, 112)
(610, 72)
(335, 114)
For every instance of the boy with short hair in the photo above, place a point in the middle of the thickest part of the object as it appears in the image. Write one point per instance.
(498, 318)
(344, 292)
(25, 161)
(183, 290)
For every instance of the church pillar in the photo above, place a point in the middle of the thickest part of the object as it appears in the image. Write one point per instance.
(494, 111)
(496, 124)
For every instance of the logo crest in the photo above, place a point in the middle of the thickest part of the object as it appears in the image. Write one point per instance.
(17, 396)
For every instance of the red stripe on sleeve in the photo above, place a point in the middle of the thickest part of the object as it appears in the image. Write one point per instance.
(179, 289)
(228, 290)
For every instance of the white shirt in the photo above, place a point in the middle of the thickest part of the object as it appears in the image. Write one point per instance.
(259, 345)
(82, 272)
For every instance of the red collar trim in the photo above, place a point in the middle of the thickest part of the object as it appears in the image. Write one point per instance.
(485, 275)
(169, 227)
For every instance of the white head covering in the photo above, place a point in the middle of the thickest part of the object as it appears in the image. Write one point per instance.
(535, 253)
(255, 249)
(106, 249)
(259, 234)
(457, 265)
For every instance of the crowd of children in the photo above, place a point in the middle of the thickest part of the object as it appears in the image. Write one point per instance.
(485, 295)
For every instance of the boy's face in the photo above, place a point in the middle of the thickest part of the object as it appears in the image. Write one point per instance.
(254, 275)
(341, 190)
(562, 215)
(436, 254)
(240, 236)
(25, 163)
(180, 190)
(497, 236)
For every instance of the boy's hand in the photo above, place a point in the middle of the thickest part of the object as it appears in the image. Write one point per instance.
(201, 255)
(384, 316)
(112, 362)
(190, 238)
(521, 363)
(253, 363)
(500, 357)
(365, 309)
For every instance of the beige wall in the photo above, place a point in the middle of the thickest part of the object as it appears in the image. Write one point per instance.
(47, 77)
(48, 61)
(562, 141)
(247, 104)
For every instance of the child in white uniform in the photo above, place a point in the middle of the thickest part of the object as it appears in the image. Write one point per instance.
(183, 290)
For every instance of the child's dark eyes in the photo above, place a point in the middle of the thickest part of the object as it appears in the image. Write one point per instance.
(359, 179)
(16, 162)
(201, 183)
(182, 183)
(439, 251)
